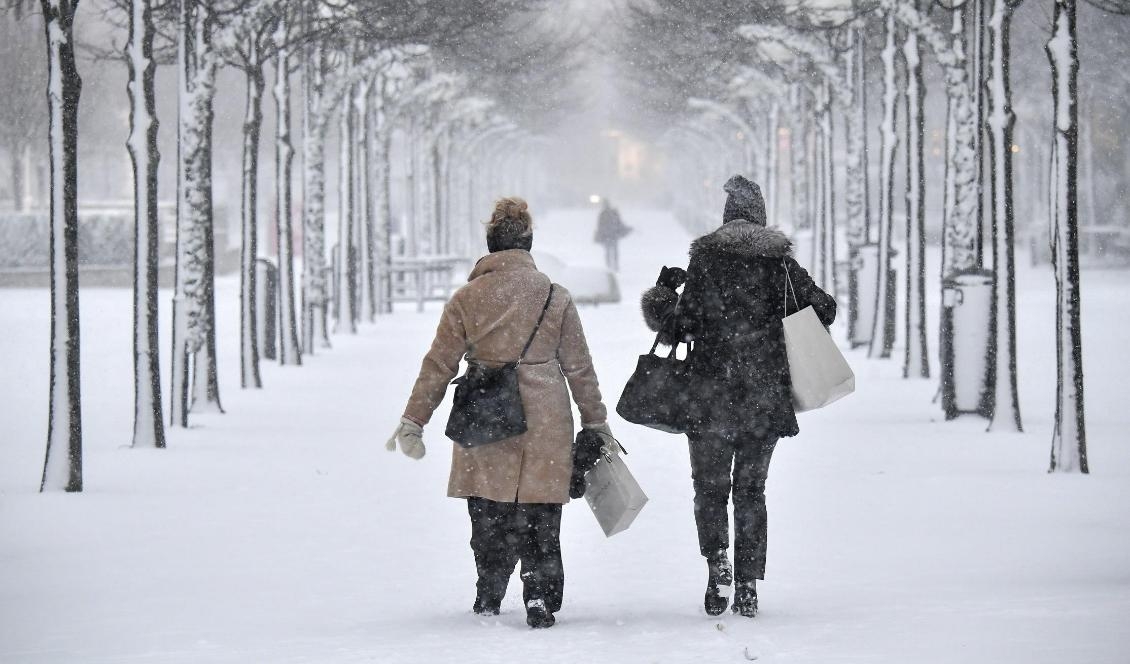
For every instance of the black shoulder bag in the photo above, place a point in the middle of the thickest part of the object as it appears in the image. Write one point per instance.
(658, 393)
(487, 406)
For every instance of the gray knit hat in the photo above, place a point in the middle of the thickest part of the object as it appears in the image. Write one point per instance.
(744, 201)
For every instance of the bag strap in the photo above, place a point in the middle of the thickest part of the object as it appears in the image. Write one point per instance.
(541, 317)
(675, 345)
(789, 287)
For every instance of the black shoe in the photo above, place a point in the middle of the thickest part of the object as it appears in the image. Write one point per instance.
(537, 616)
(485, 607)
(721, 577)
(745, 599)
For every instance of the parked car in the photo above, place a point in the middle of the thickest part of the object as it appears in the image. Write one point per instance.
(588, 284)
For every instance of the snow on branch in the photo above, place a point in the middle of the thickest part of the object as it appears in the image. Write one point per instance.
(815, 51)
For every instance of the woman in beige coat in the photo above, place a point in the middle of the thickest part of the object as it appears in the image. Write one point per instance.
(514, 487)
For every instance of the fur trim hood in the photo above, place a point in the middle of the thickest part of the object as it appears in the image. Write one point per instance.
(743, 238)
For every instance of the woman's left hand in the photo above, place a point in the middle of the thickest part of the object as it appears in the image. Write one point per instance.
(411, 438)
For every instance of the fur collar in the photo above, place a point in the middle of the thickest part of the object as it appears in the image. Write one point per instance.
(510, 259)
(745, 239)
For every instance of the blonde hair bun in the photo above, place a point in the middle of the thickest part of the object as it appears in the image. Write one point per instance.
(512, 211)
(510, 225)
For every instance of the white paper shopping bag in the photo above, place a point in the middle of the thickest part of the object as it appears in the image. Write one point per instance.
(819, 372)
(614, 496)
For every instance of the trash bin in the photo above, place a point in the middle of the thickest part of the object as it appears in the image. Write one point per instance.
(862, 281)
(266, 294)
(967, 309)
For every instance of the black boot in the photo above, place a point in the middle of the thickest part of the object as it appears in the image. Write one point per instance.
(720, 578)
(745, 599)
(486, 606)
(537, 616)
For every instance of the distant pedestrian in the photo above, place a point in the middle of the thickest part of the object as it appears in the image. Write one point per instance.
(740, 392)
(514, 487)
(610, 228)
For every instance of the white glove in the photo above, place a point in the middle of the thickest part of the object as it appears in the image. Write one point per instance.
(411, 438)
(610, 446)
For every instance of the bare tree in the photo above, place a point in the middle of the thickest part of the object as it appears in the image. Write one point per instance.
(148, 423)
(882, 337)
(916, 361)
(1069, 440)
(62, 469)
(1002, 351)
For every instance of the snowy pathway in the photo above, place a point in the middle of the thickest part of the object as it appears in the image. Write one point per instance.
(283, 531)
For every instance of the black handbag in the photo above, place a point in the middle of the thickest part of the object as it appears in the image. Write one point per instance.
(487, 406)
(658, 394)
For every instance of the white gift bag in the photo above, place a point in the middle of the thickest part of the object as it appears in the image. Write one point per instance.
(614, 496)
(819, 372)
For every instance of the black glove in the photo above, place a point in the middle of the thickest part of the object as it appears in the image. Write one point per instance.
(671, 277)
(586, 452)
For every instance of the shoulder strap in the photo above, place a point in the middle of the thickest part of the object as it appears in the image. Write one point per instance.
(789, 287)
(533, 334)
(674, 346)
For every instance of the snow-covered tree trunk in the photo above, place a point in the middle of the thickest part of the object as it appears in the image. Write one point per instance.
(384, 222)
(881, 338)
(290, 351)
(315, 297)
(439, 245)
(372, 202)
(855, 142)
(362, 216)
(773, 159)
(856, 187)
(1069, 440)
(827, 191)
(249, 248)
(148, 423)
(797, 157)
(1001, 120)
(205, 373)
(196, 67)
(346, 274)
(62, 468)
(961, 215)
(916, 362)
(411, 232)
(957, 30)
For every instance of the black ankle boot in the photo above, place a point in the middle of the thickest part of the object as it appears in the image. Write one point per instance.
(485, 606)
(537, 616)
(720, 578)
(745, 599)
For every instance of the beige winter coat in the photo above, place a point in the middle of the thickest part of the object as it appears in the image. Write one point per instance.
(490, 319)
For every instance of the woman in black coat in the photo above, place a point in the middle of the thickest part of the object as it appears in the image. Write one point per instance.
(731, 309)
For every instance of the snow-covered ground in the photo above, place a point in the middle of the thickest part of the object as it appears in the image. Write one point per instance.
(283, 531)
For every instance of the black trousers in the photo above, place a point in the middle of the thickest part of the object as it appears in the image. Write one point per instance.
(504, 533)
(725, 463)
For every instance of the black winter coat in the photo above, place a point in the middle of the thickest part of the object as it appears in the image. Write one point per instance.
(731, 309)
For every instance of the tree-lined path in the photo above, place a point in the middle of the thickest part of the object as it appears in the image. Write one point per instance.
(282, 531)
